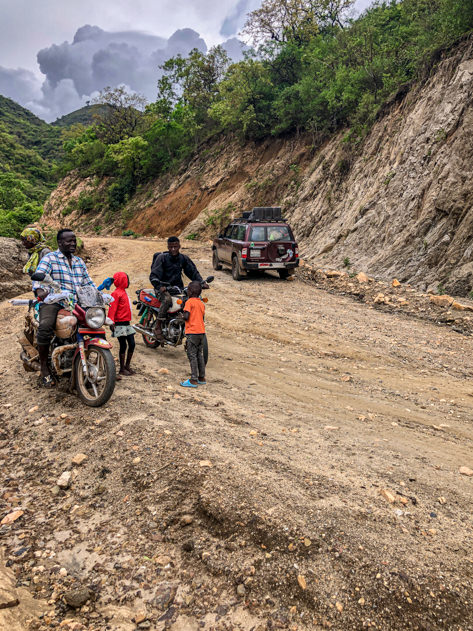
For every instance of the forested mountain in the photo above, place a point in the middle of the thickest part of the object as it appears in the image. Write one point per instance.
(83, 116)
(28, 130)
(29, 148)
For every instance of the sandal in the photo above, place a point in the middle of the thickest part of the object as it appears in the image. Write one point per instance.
(201, 383)
(188, 384)
(47, 382)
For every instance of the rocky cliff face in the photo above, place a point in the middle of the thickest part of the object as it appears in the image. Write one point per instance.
(405, 208)
(13, 256)
(401, 205)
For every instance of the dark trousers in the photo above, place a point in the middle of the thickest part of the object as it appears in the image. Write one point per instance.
(126, 341)
(166, 301)
(47, 322)
(195, 353)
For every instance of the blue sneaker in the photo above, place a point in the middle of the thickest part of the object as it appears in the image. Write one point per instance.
(188, 384)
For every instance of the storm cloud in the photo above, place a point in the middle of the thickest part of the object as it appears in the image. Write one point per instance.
(76, 71)
(234, 20)
(20, 85)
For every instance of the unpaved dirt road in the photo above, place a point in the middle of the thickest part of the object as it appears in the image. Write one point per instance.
(263, 500)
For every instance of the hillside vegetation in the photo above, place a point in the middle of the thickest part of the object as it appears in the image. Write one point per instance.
(313, 71)
(29, 148)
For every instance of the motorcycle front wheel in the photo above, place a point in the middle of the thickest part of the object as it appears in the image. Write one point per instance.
(96, 388)
(149, 322)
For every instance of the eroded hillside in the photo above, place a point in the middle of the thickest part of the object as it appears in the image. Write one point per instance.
(399, 205)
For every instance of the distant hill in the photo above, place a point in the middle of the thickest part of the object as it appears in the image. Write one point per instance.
(28, 130)
(84, 116)
(29, 148)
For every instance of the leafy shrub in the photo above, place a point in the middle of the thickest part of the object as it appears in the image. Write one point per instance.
(85, 202)
(13, 221)
(70, 208)
(220, 216)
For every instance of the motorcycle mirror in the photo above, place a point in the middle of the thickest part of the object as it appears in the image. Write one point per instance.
(209, 279)
(38, 276)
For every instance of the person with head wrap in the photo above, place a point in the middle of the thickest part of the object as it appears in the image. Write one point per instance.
(34, 241)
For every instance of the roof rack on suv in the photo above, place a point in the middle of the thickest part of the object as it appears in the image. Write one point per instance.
(262, 213)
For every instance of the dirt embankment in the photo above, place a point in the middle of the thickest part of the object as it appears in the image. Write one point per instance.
(13, 257)
(320, 480)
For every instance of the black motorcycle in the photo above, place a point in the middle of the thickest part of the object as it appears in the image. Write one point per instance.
(173, 327)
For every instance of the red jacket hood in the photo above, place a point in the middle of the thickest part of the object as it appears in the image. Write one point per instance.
(120, 280)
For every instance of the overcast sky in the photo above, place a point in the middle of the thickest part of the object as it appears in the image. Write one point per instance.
(26, 26)
(131, 40)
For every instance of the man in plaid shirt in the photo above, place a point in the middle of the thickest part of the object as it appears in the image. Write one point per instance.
(71, 274)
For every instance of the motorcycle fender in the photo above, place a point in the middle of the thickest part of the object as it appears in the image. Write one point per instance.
(97, 341)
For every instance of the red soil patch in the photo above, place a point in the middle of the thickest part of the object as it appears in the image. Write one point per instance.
(173, 212)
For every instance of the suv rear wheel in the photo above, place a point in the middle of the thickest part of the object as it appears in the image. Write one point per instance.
(283, 273)
(216, 261)
(236, 270)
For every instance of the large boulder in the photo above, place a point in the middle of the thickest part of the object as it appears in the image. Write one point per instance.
(13, 256)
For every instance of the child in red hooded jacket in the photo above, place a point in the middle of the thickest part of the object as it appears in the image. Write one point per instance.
(120, 312)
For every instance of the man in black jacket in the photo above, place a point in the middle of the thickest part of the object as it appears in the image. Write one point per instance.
(166, 271)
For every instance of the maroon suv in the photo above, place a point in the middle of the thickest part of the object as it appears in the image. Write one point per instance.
(259, 240)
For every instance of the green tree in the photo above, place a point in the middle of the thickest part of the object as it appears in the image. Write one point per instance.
(192, 81)
(294, 20)
(128, 156)
(122, 115)
(170, 137)
(245, 100)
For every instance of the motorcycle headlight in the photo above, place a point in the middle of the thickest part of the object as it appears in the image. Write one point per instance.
(95, 317)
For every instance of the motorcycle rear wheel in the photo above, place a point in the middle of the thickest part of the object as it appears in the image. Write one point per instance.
(149, 322)
(97, 392)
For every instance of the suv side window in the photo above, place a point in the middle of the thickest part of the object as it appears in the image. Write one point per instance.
(233, 233)
(240, 233)
(228, 231)
(258, 233)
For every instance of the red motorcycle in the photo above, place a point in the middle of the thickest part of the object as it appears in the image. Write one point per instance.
(172, 327)
(79, 351)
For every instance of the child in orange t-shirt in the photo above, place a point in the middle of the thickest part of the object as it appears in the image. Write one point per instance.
(193, 314)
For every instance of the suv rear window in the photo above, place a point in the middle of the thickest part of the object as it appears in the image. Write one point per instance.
(278, 233)
(270, 233)
(258, 233)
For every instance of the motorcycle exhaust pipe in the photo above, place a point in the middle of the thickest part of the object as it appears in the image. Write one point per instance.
(141, 329)
(30, 364)
(56, 354)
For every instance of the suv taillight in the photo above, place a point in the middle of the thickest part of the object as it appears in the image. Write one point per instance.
(297, 253)
(244, 253)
